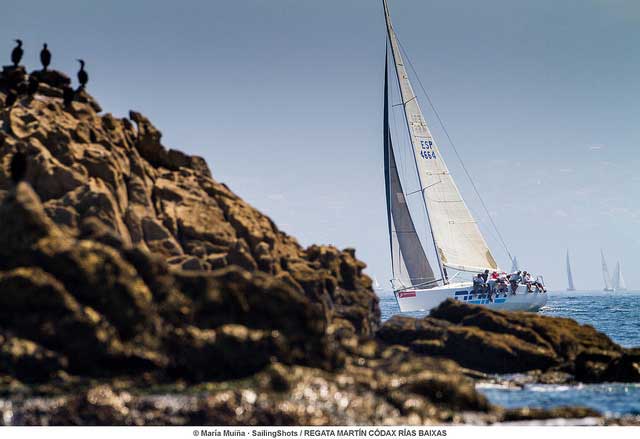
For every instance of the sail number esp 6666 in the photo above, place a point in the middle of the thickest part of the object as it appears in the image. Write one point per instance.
(426, 149)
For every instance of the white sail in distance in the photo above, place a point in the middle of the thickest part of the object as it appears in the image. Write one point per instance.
(618, 280)
(570, 286)
(605, 273)
(458, 241)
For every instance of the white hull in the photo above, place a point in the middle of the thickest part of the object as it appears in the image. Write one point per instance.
(424, 300)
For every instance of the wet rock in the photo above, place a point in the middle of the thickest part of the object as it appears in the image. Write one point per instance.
(28, 361)
(509, 342)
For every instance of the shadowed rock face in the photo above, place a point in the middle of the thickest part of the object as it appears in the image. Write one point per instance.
(508, 342)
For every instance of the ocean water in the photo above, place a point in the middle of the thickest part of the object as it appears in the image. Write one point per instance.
(615, 314)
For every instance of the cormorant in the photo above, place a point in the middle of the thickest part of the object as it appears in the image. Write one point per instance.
(11, 99)
(45, 57)
(67, 96)
(16, 54)
(18, 167)
(83, 77)
(32, 87)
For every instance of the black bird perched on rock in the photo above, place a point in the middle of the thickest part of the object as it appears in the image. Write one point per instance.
(67, 96)
(45, 57)
(18, 167)
(16, 54)
(11, 99)
(83, 76)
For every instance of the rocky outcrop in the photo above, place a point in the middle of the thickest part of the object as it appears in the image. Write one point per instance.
(509, 342)
(84, 166)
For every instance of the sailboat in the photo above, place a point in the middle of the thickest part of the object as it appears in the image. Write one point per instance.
(459, 246)
(570, 286)
(618, 281)
(376, 284)
(605, 273)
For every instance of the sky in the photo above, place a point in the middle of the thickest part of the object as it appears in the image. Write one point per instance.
(283, 98)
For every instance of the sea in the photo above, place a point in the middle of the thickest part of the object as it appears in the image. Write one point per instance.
(616, 314)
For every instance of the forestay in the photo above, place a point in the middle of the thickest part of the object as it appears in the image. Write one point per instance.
(458, 240)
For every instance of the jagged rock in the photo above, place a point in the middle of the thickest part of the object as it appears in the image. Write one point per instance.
(52, 78)
(12, 76)
(507, 342)
(28, 361)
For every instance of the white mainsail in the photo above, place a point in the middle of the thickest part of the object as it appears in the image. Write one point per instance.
(408, 260)
(618, 281)
(605, 273)
(458, 240)
(570, 286)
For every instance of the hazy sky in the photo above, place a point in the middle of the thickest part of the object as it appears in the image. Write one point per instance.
(284, 100)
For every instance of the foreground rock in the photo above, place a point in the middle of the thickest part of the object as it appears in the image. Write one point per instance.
(510, 342)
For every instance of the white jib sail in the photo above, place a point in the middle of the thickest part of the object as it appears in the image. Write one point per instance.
(457, 237)
(605, 273)
(570, 285)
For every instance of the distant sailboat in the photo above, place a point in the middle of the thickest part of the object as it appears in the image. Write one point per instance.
(605, 274)
(376, 284)
(514, 265)
(460, 249)
(570, 286)
(618, 281)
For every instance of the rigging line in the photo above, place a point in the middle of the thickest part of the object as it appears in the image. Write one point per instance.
(444, 129)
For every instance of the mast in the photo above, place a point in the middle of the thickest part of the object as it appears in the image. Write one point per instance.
(409, 262)
(456, 237)
(399, 67)
(570, 286)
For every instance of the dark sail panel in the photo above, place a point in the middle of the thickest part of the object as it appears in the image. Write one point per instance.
(409, 261)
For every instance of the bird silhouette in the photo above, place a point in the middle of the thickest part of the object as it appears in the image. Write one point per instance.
(11, 99)
(45, 57)
(83, 76)
(16, 54)
(67, 96)
(18, 167)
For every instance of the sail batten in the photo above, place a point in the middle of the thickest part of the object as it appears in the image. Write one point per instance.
(457, 238)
